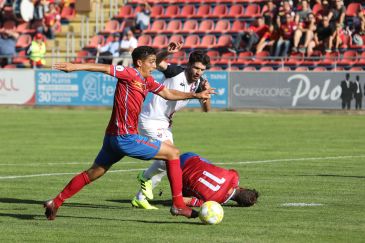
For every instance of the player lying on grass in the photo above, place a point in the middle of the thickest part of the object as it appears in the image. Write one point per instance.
(155, 120)
(121, 137)
(203, 181)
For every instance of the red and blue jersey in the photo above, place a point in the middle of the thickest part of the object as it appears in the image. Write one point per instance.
(208, 182)
(130, 92)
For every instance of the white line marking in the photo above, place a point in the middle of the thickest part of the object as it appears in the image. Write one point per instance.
(301, 204)
(225, 163)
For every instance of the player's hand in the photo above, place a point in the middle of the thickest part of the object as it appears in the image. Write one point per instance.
(205, 94)
(174, 47)
(66, 67)
(205, 84)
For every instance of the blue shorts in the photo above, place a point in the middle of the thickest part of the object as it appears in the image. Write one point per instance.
(132, 145)
(185, 156)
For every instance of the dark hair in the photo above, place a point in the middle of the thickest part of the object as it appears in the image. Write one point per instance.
(199, 56)
(141, 53)
(246, 197)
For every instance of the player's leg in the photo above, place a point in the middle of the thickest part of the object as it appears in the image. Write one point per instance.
(102, 163)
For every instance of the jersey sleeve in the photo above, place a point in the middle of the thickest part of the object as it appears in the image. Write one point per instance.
(154, 86)
(119, 71)
(172, 70)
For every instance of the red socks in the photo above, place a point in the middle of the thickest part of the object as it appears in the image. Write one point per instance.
(174, 174)
(74, 186)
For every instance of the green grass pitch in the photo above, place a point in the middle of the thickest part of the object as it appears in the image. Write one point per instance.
(316, 159)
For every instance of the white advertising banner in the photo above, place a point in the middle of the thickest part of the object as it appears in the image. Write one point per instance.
(17, 87)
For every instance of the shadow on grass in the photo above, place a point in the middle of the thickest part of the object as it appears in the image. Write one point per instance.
(334, 175)
(42, 218)
(154, 202)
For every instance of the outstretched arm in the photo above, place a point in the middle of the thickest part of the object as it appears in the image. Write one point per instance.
(173, 47)
(70, 67)
(205, 103)
(171, 94)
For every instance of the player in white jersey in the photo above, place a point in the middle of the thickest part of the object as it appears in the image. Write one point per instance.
(155, 119)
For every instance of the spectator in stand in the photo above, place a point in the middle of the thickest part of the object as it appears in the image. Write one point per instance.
(252, 36)
(305, 34)
(8, 40)
(358, 93)
(40, 8)
(270, 12)
(52, 21)
(37, 51)
(337, 13)
(127, 46)
(337, 38)
(302, 15)
(285, 9)
(143, 17)
(109, 51)
(324, 11)
(268, 40)
(323, 34)
(286, 33)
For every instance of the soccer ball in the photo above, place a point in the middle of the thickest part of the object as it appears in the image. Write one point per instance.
(211, 213)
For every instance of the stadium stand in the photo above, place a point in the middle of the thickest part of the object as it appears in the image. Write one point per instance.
(214, 25)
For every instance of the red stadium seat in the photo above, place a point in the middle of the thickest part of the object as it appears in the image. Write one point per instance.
(233, 68)
(190, 26)
(144, 40)
(111, 26)
(157, 11)
(236, 11)
(313, 59)
(81, 57)
(356, 69)
(173, 26)
(126, 11)
(294, 59)
(176, 38)
(237, 27)
(214, 56)
(171, 11)
(252, 11)
(157, 26)
(25, 28)
(302, 69)
(160, 41)
(249, 69)
(95, 41)
(227, 58)
(203, 11)
(178, 58)
(23, 42)
(222, 26)
(361, 61)
(10, 66)
(208, 41)
(261, 58)
(187, 11)
(206, 26)
(244, 58)
(21, 58)
(191, 41)
(216, 68)
(224, 41)
(219, 11)
(319, 69)
(68, 13)
(265, 68)
(284, 69)
(329, 59)
(348, 59)
(353, 9)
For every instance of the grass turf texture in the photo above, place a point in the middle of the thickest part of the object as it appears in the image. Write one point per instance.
(47, 141)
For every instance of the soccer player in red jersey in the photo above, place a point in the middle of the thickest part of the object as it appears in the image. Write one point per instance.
(203, 181)
(121, 136)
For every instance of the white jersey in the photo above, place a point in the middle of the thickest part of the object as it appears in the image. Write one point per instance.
(159, 112)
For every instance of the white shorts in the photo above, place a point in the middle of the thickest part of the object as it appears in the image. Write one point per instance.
(156, 132)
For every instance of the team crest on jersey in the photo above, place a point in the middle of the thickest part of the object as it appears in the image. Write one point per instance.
(138, 85)
(182, 84)
(119, 68)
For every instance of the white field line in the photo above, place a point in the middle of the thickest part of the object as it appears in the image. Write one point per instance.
(225, 163)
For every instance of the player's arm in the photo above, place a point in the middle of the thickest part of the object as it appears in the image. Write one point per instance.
(171, 94)
(205, 103)
(162, 55)
(193, 201)
(92, 67)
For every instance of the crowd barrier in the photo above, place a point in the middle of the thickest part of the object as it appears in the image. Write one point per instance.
(235, 90)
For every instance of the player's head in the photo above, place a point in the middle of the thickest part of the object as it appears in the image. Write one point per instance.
(199, 61)
(245, 197)
(347, 76)
(144, 59)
